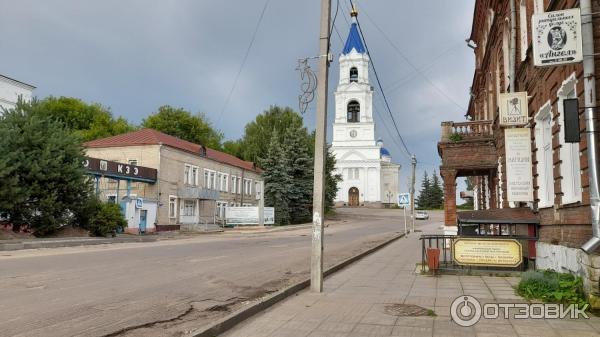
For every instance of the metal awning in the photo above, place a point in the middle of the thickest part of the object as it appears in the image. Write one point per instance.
(513, 216)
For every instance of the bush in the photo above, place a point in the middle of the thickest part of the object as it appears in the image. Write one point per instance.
(105, 218)
(456, 137)
(553, 287)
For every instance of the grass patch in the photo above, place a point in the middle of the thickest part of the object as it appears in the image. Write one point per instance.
(553, 287)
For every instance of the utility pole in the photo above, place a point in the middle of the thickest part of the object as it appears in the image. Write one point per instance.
(413, 161)
(316, 259)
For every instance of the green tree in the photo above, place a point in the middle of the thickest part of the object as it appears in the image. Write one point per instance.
(424, 199)
(300, 161)
(278, 181)
(233, 147)
(105, 218)
(258, 133)
(436, 193)
(42, 179)
(332, 182)
(183, 124)
(86, 121)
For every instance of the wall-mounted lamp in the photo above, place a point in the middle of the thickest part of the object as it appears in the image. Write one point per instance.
(471, 44)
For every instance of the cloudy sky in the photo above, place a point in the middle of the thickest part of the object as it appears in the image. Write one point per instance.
(136, 55)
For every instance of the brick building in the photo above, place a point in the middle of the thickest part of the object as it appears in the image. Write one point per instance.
(475, 148)
(194, 184)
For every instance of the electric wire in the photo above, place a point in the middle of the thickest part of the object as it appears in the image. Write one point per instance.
(381, 88)
(237, 76)
(427, 79)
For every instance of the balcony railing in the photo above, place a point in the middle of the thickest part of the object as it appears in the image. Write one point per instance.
(458, 131)
(195, 192)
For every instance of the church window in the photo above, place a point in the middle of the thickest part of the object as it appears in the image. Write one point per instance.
(353, 112)
(353, 74)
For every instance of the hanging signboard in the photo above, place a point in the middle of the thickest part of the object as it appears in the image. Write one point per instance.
(517, 143)
(248, 215)
(513, 109)
(557, 37)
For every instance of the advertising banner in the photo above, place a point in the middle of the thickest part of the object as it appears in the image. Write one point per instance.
(557, 37)
(513, 109)
(248, 215)
(519, 179)
(487, 252)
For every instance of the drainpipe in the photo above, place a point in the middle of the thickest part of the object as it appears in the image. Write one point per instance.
(587, 35)
(513, 45)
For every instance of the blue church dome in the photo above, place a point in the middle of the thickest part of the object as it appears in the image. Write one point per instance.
(384, 152)
(354, 41)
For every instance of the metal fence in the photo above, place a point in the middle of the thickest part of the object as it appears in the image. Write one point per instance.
(445, 243)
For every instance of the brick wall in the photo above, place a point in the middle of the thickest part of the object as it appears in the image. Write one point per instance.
(564, 224)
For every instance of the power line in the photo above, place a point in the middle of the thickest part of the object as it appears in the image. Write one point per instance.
(237, 76)
(412, 65)
(379, 85)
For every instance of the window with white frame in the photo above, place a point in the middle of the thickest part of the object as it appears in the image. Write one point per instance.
(233, 184)
(353, 173)
(189, 208)
(569, 152)
(239, 185)
(190, 175)
(505, 53)
(543, 142)
(538, 6)
(172, 206)
(210, 179)
(523, 28)
(224, 182)
(247, 186)
(257, 189)
(186, 174)
(220, 211)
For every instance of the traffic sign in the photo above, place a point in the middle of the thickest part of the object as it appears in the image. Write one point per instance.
(404, 199)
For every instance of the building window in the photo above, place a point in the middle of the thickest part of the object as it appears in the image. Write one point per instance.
(505, 54)
(543, 142)
(190, 175)
(224, 182)
(569, 152)
(538, 6)
(247, 186)
(239, 185)
(210, 179)
(186, 174)
(353, 112)
(353, 173)
(353, 74)
(233, 184)
(257, 189)
(220, 211)
(189, 208)
(172, 206)
(523, 26)
(111, 199)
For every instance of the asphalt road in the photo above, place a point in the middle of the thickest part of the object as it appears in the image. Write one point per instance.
(168, 288)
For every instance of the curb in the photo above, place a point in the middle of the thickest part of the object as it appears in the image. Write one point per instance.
(12, 246)
(228, 322)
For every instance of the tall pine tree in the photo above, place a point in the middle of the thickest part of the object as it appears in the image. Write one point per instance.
(278, 181)
(300, 169)
(42, 179)
(424, 199)
(437, 192)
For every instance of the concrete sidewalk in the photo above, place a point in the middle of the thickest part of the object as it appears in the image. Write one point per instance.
(369, 298)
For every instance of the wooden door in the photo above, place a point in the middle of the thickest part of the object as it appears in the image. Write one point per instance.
(353, 197)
